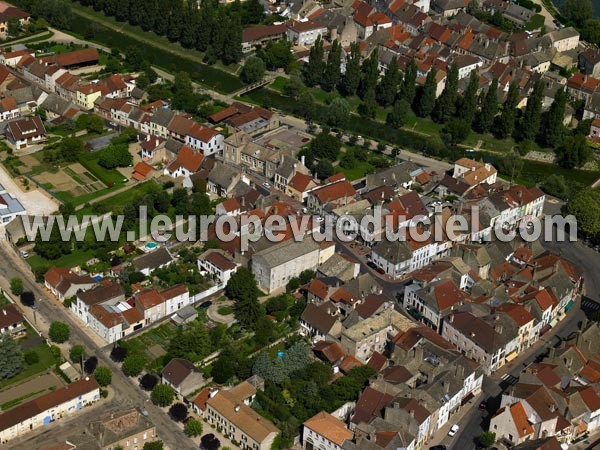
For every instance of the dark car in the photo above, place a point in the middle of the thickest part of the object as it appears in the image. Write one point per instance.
(206, 304)
(438, 447)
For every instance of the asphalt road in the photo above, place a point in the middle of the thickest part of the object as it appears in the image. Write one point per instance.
(125, 388)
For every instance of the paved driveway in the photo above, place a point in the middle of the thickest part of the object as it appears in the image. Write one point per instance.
(35, 201)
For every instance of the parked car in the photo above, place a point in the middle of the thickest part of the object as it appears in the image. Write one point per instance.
(206, 304)
(453, 430)
(438, 447)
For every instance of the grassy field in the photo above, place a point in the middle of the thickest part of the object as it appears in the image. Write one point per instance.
(46, 361)
(158, 50)
(76, 258)
(160, 335)
(116, 202)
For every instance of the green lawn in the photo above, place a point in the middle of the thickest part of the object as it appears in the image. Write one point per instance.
(46, 361)
(116, 202)
(535, 23)
(160, 335)
(358, 171)
(75, 258)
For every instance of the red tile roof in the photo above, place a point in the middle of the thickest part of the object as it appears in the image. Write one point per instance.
(519, 416)
(334, 191)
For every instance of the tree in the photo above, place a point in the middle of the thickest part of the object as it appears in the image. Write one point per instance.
(579, 11)
(190, 342)
(148, 382)
(156, 445)
(293, 87)
(252, 12)
(242, 288)
(193, 428)
(585, 206)
(398, 116)
(59, 332)
(296, 358)
(552, 131)
(530, 122)
(338, 112)
(332, 71)
(103, 376)
(16, 286)
(487, 438)
(368, 107)
(369, 74)
(408, 90)
(223, 368)
(505, 122)
(115, 156)
(314, 69)
(263, 331)
(133, 365)
(178, 412)
(70, 148)
(468, 103)
(387, 89)
(556, 185)
(11, 357)
(162, 395)
(574, 152)
(445, 105)
(351, 77)
(269, 369)
(277, 54)
(511, 165)
(425, 101)
(489, 108)
(591, 31)
(253, 70)
(324, 145)
(76, 353)
(305, 106)
(90, 364)
(118, 353)
(14, 26)
(455, 131)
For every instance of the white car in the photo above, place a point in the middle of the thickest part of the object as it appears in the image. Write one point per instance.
(453, 430)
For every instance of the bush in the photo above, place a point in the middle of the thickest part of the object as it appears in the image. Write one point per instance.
(31, 358)
(148, 382)
(16, 286)
(59, 332)
(162, 395)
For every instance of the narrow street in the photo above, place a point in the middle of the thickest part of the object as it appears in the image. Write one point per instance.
(48, 310)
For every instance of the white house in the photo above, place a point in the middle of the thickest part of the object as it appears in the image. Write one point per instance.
(217, 265)
(207, 140)
(48, 408)
(325, 432)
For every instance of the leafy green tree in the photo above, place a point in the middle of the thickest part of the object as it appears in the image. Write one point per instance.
(425, 101)
(368, 107)
(468, 103)
(574, 152)
(133, 365)
(278, 54)
(253, 12)
(263, 331)
(223, 368)
(190, 343)
(408, 90)
(103, 375)
(579, 11)
(445, 105)
(351, 77)
(76, 353)
(324, 169)
(31, 357)
(59, 332)
(557, 186)
(269, 369)
(296, 358)
(332, 71)
(115, 156)
(585, 206)
(293, 87)
(505, 122)
(253, 70)
(489, 108)
(530, 122)
(487, 438)
(11, 357)
(511, 165)
(305, 106)
(369, 74)
(242, 288)
(552, 131)
(178, 412)
(156, 445)
(387, 89)
(16, 285)
(193, 428)
(398, 116)
(455, 131)
(591, 31)
(338, 112)
(162, 395)
(316, 64)
(325, 145)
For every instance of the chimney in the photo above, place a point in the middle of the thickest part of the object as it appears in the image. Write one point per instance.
(302, 160)
(236, 408)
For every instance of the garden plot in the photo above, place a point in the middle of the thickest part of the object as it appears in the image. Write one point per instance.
(73, 179)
